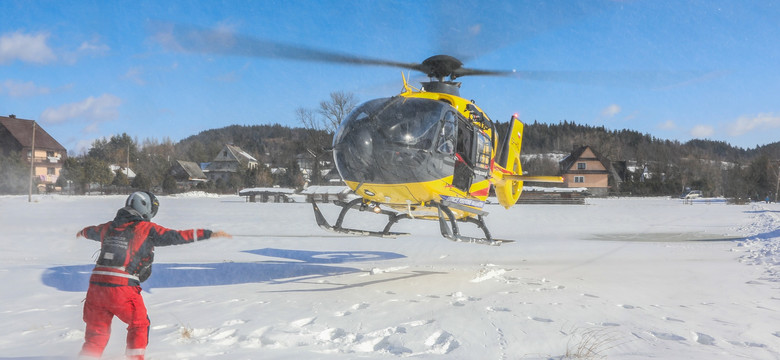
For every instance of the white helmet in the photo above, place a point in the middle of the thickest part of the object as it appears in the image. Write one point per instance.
(144, 202)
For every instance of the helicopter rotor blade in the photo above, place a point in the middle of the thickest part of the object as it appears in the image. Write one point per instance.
(193, 39)
(477, 72)
(618, 78)
(188, 38)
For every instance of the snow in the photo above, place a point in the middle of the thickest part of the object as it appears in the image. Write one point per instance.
(616, 278)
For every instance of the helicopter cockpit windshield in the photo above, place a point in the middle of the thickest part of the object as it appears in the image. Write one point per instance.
(401, 121)
(383, 138)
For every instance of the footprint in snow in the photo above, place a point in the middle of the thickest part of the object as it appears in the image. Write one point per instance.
(72, 335)
(223, 334)
(498, 309)
(303, 322)
(540, 319)
(704, 339)
(417, 323)
(233, 322)
(441, 342)
(332, 334)
(667, 336)
(673, 319)
(360, 306)
(747, 344)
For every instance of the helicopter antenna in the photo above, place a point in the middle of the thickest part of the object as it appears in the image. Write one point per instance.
(407, 88)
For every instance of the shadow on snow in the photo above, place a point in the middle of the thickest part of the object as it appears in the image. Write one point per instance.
(300, 265)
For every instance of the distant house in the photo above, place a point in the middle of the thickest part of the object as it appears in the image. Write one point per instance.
(229, 160)
(584, 167)
(332, 177)
(187, 174)
(16, 136)
(327, 170)
(124, 170)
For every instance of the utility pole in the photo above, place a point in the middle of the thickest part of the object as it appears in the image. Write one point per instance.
(777, 188)
(32, 163)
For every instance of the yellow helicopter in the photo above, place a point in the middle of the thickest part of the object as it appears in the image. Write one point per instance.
(425, 153)
(428, 154)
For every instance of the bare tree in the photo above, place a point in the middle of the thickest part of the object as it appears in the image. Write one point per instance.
(334, 111)
(317, 141)
(323, 127)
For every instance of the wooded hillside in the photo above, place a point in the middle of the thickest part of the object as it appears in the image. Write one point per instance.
(714, 167)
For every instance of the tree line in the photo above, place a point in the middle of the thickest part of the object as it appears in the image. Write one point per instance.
(661, 167)
(646, 165)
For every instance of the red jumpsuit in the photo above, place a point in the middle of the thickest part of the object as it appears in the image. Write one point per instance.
(126, 254)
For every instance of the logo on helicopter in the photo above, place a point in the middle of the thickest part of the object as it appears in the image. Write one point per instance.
(463, 201)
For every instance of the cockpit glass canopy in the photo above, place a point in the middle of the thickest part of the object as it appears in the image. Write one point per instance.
(410, 122)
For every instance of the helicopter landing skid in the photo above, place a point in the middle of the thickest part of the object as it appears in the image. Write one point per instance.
(451, 231)
(386, 233)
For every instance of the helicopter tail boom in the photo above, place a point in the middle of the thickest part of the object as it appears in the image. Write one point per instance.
(508, 163)
(531, 178)
(508, 175)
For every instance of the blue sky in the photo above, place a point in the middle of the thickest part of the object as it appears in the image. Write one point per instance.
(677, 70)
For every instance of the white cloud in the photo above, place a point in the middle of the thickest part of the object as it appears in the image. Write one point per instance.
(475, 29)
(25, 47)
(747, 124)
(22, 89)
(190, 39)
(631, 116)
(702, 131)
(667, 125)
(81, 147)
(87, 48)
(611, 110)
(134, 75)
(94, 109)
(93, 47)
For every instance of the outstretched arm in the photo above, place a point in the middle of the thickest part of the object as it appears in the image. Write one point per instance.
(164, 237)
(93, 232)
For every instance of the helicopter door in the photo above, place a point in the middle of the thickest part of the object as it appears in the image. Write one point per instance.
(465, 154)
(483, 152)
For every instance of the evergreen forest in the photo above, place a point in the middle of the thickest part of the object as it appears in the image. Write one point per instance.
(714, 167)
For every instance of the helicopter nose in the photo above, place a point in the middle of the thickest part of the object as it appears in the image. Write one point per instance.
(354, 156)
(364, 157)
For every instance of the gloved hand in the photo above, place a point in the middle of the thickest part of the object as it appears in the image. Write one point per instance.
(221, 233)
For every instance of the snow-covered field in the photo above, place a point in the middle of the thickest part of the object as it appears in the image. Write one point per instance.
(617, 278)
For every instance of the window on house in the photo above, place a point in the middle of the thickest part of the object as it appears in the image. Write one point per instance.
(51, 171)
(579, 179)
(581, 166)
(50, 154)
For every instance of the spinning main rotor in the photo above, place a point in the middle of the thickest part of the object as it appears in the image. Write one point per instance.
(199, 40)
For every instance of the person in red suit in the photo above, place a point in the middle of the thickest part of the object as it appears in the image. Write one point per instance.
(126, 254)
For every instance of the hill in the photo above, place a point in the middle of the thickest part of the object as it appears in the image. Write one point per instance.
(274, 144)
(715, 167)
(646, 165)
(278, 144)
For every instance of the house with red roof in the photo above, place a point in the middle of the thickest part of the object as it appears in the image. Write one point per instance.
(16, 137)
